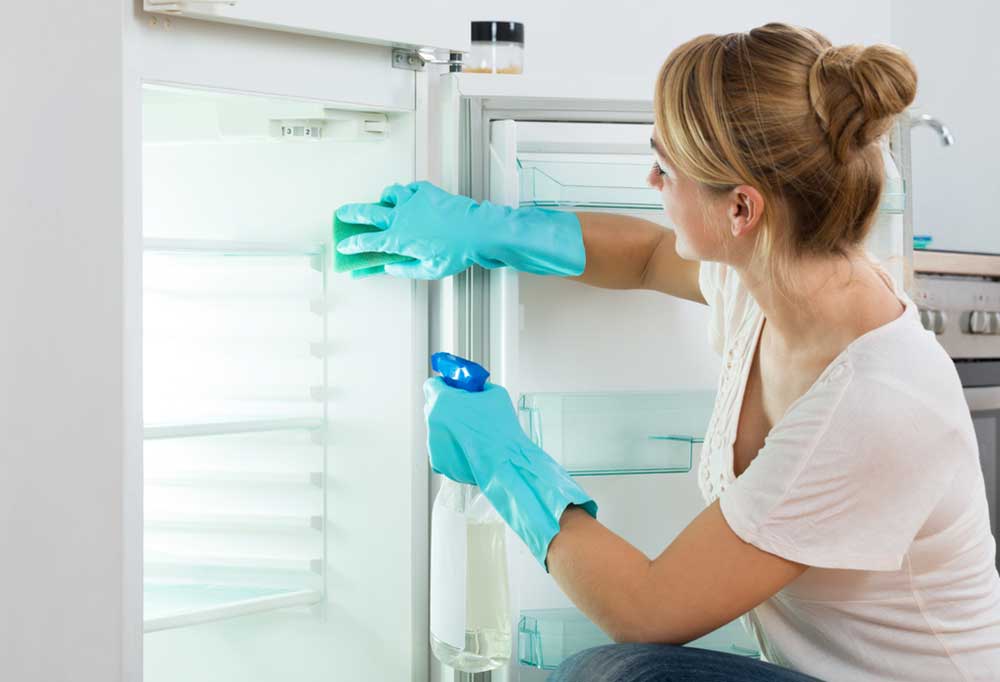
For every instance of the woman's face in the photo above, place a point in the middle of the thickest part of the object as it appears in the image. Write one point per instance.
(691, 212)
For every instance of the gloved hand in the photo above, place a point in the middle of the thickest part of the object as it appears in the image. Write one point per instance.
(475, 438)
(447, 233)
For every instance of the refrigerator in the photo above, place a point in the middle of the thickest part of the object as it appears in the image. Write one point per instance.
(276, 489)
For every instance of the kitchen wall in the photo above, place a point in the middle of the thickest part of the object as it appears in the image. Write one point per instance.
(61, 346)
(957, 55)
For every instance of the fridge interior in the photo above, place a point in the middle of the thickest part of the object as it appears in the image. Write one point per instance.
(616, 385)
(259, 408)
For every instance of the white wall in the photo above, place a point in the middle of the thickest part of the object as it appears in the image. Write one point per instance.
(957, 57)
(61, 342)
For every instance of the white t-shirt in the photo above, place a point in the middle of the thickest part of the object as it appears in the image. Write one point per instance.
(871, 478)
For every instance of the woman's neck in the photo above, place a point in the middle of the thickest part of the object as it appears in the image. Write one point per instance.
(827, 303)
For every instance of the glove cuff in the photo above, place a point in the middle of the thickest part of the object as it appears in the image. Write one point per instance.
(532, 507)
(541, 241)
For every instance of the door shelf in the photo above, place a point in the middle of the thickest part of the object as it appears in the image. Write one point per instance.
(174, 605)
(555, 181)
(618, 433)
(619, 184)
(547, 637)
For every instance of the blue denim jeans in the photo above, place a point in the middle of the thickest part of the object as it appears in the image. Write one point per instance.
(668, 663)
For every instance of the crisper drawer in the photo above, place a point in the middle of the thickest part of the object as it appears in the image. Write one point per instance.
(611, 433)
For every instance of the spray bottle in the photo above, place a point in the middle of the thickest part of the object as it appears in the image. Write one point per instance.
(470, 598)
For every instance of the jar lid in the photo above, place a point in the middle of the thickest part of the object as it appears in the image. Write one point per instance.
(492, 31)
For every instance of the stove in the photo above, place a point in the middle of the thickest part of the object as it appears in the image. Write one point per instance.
(958, 295)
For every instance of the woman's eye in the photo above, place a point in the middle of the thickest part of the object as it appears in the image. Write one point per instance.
(657, 168)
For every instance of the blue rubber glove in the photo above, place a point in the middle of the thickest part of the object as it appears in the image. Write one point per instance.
(447, 233)
(475, 438)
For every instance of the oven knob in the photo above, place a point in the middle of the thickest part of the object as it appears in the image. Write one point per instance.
(926, 319)
(939, 320)
(994, 325)
(975, 322)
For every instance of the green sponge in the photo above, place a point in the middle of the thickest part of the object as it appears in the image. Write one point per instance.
(360, 264)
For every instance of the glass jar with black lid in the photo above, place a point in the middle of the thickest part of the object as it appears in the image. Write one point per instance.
(497, 47)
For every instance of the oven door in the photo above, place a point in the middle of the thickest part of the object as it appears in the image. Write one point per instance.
(984, 403)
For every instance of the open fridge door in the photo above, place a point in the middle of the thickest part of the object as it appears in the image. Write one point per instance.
(616, 385)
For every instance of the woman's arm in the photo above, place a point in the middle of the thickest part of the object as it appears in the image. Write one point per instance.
(624, 252)
(705, 578)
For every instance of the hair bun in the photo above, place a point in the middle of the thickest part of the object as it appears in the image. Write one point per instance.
(857, 91)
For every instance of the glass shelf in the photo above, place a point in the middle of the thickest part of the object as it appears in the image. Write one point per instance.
(249, 523)
(552, 180)
(618, 433)
(547, 637)
(211, 478)
(174, 605)
(207, 247)
(222, 428)
(165, 561)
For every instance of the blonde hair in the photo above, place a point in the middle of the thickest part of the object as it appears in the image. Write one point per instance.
(779, 108)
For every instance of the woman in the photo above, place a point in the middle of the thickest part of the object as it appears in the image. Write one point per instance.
(846, 506)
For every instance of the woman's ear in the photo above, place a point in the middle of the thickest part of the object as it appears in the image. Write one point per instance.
(745, 206)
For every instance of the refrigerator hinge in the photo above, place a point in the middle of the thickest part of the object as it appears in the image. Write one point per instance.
(416, 60)
(407, 59)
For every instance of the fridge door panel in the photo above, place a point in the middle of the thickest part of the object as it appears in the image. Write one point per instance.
(430, 24)
(285, 482)
(552, 334)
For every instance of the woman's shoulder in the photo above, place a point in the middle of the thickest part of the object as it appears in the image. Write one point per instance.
(904, 363)
(891, 390)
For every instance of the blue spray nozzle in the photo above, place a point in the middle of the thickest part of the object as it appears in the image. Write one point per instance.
(460, 373)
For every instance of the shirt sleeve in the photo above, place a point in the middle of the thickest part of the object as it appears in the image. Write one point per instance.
(712, 282)
(846, 479)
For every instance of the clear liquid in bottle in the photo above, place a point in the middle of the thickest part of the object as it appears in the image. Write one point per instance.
(470, 598)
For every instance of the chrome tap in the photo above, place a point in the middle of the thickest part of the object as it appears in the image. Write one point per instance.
(947, 139)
